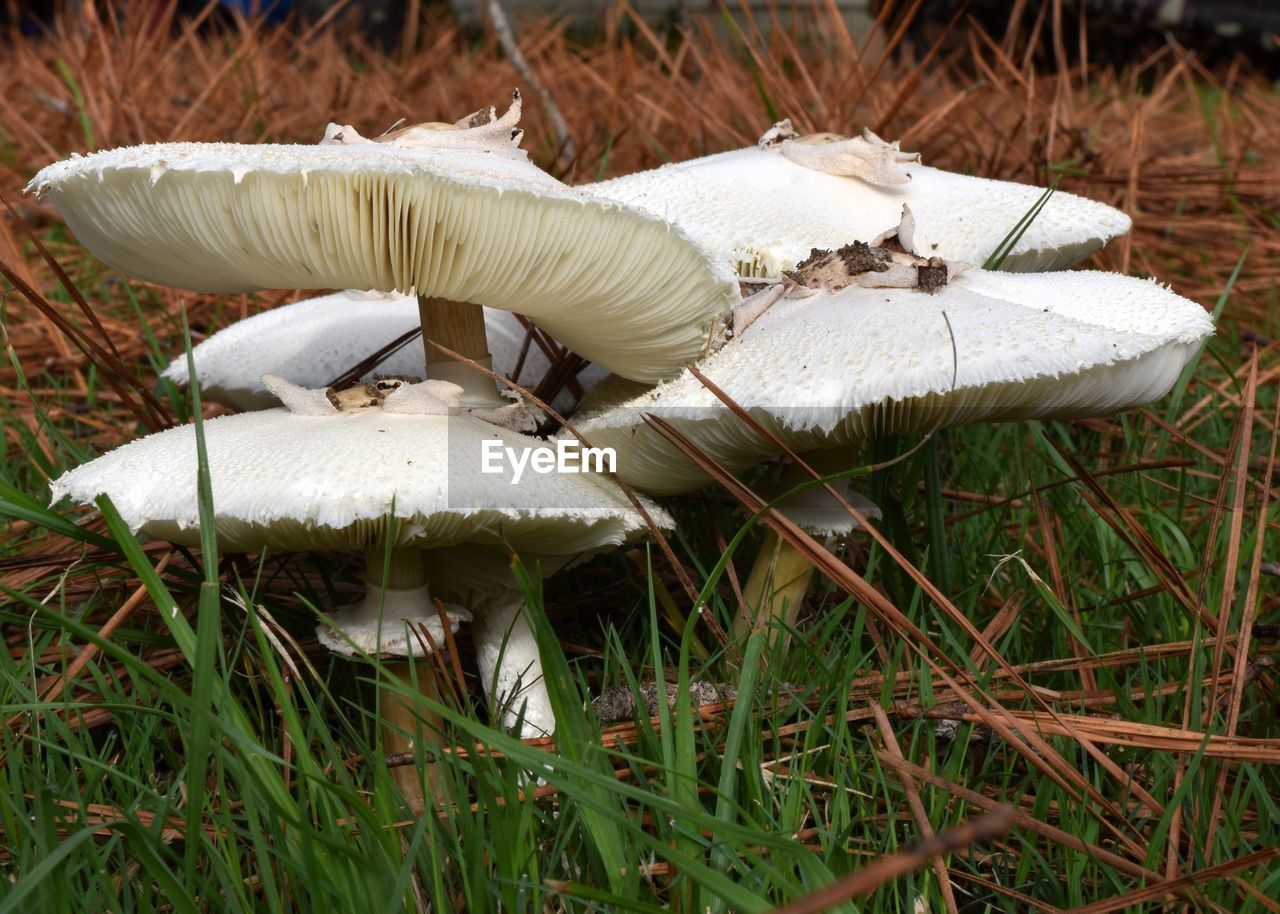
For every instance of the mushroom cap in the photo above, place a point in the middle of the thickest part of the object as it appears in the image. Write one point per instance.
(293, 482)
(313, 341)
(764, 212)
(835, 369)
(815, 511)
(616, 285)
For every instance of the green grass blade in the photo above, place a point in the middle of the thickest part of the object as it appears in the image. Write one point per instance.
(576, 739)
(20, 506)
(82, 115)
(1007, 244)
(742, 716)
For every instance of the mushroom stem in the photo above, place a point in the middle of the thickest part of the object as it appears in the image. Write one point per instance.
(397, 593)
(405, 725)
(396, 603)
(458, 326)
(506, 652)
(398, 582)
(510, 666)
(780, 577)
(395, 567)
(776, 587)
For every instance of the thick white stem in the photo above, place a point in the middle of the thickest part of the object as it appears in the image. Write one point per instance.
(510, 667)
(389, 622)
(479, 577)
(478, 389)
(396, 603)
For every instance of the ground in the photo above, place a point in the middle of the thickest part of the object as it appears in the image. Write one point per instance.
(1077, 620)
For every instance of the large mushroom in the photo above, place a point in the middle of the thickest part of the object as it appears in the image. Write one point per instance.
(825, 368)
(458, 216)
(763, 208)
(313, 342)
(849, 353)
(390, 475)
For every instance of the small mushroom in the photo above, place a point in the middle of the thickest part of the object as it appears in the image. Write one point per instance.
(764, 208)
(311, 342)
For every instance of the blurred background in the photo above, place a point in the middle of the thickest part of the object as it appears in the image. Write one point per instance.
(1121, 27)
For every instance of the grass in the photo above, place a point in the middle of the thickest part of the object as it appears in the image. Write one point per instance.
(1072, 619)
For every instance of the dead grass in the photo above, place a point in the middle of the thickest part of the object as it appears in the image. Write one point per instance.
(1181, 149)
(1188, 152)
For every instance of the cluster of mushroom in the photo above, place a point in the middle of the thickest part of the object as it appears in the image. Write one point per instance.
(825, 284)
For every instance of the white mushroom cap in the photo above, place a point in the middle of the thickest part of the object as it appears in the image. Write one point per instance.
(835, 369)
(294, 482)
(311, 342)
(763, 211)
(470, 223)
(388, 620)
(814, 510)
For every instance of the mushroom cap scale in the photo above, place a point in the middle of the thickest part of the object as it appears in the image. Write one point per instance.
(614, 284)
(835, 369)
(764, 212)
(311, 342)
(288, 482)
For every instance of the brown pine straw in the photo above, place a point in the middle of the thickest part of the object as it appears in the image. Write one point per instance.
(103, 816)
(1199, 182)
(867, 879)
(1240, 445)
(1250, 605)
(1118, 732)
(1164, 890)
(1021, 820)
(918, 812)
(1028, 742)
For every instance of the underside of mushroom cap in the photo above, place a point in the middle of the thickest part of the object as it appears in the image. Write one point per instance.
(311, 342)
(763, 212)
(839, 368)
(617, 286)
(290, 482)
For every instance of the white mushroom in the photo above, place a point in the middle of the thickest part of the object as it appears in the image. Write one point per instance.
(457, 215)
(832, 369)
(312, 342)
(388, 483)
(836, 368)
(764, 207)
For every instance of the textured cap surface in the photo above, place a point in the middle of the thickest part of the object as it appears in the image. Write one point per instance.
(615, 285)
(289, 482)
(837, 368)
(311, 342)
(763, 212)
